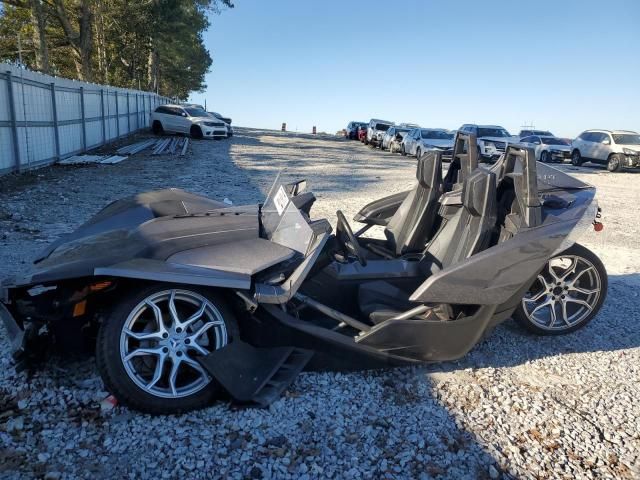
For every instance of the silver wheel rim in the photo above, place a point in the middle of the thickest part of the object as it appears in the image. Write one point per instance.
(564, 293)
(162, 337)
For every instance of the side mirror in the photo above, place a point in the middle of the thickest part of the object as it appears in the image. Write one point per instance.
(606, 141)
(183, 114)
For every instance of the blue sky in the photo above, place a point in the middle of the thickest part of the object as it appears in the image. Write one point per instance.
(561, 65)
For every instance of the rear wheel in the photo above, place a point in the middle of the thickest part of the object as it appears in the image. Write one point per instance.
(614, 164)
(403, 151)
(157, 128)
(566, 295)
(576, 158)
(418, 153)
(147, 347)
(196, 132)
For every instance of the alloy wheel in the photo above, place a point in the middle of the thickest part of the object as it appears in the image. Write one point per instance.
(162, 337)
(564, 294)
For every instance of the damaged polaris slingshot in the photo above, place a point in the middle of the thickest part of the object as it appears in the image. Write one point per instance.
(187, 298)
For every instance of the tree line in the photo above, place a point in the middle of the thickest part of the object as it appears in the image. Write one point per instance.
(154, 45)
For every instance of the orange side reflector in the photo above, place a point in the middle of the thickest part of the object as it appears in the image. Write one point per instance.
(80, 308)
(99, 286)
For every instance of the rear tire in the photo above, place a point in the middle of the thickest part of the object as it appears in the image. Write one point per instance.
(576, 158)
(403, 151)
(131, 380)
(157, 128)
(582, 291)
(196, 132)
(614, 164)
(418, 153)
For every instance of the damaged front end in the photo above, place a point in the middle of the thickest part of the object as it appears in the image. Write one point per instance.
(46, 317)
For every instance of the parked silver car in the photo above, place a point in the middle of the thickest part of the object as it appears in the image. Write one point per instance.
(419, 140)
(614, 148)
(393, 137)
(548, 148)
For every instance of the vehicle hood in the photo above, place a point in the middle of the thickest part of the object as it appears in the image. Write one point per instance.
(500, 139)
(629, 146)
(561, 148)
(153, 225)
(433, 142)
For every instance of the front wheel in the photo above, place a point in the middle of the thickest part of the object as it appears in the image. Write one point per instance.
(147, 347)
(545, 157)
(566, 295)
(195, 131)
(403, 151)
(614, 164)
(418, 153)
(576, 158)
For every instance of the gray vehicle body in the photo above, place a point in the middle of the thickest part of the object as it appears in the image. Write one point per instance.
(245, 252)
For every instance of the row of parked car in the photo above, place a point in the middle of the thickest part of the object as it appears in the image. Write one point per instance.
(190, 119)
(616, 149)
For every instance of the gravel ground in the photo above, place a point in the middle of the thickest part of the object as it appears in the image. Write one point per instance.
(516, 406)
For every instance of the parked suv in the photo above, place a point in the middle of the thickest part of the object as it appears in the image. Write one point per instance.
(376, 131)
(492, 140)
(614, 148)
(192, 120)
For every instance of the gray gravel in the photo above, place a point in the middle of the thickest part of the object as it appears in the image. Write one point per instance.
(516, 406)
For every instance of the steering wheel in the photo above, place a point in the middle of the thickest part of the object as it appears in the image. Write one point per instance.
(347, 239)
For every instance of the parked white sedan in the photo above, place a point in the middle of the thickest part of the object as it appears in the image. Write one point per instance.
(548, 149)
(192, 120)
(419, 140)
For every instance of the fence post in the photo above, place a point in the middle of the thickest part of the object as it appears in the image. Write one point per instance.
(137, 114)
(104, 132)
(14, 127)
(128, 115)
(117, 116)
(84, 127)
(54, 109)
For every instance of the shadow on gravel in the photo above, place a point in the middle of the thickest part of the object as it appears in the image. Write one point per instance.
(593, 168)
(616, 327)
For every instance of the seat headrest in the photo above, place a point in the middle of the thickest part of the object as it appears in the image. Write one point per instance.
(429, 171)
(477, 191)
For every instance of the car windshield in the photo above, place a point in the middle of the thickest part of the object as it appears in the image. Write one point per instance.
(543, 133)
(282, 222)
(492, 132)
(402, 130)
(383, 127)
(626, 138)
(196, 112)
(554, 141)
(436, 134)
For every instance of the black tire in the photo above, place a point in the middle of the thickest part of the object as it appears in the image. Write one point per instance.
(403, 151)
(418, 153)
(157, 128)
(576, 158)
(576, 250)
(365, 141)
(196, 132)
(544, 157)
(614, 164)
(112, 370)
